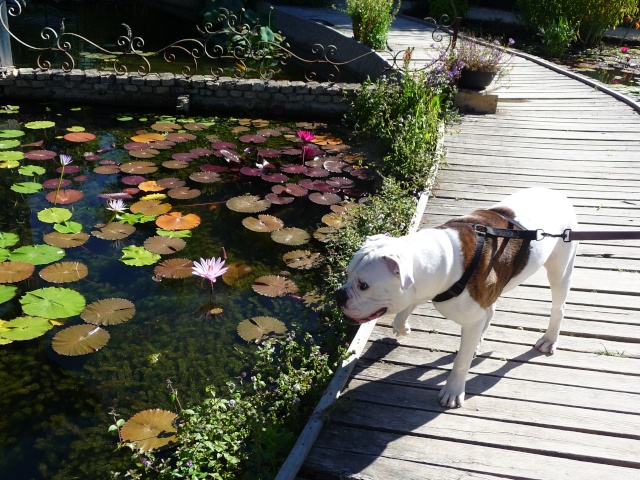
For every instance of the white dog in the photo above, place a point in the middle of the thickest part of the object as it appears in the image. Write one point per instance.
(395, 275)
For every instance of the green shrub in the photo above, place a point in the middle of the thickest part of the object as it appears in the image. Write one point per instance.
(591, 17)
(557, 36)
(371, 20)
(404, 116)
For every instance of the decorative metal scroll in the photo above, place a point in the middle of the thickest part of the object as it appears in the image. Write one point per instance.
(228, 42)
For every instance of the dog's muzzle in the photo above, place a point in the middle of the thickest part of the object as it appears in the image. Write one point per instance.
(341, 297)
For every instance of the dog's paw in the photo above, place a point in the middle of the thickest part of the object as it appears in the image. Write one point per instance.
(546, 345)
(401, 330)
(451, 397)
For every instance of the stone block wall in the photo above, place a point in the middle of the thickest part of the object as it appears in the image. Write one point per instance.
(200, 93)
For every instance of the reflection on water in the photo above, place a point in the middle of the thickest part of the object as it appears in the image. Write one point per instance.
(55, 409)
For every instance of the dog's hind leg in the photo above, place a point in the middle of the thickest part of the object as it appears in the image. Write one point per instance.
(490, 312)
(559, 269)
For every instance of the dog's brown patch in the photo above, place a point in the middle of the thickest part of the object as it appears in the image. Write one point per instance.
(498, 255)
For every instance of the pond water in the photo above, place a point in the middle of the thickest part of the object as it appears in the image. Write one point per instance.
(55, 406)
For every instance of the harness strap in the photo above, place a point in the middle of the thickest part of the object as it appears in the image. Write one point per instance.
(483, 231)
(458, 287)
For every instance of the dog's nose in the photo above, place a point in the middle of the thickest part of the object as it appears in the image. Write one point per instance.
(341, 297)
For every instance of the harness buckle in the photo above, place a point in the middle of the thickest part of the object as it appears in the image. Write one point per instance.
(480, 229)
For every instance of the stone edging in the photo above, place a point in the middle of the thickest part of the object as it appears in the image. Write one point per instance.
(204, 93)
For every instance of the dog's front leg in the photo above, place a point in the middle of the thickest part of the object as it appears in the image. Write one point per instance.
(400, 323)
(452, 394)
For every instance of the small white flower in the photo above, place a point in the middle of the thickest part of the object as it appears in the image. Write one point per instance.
(65, 159)
(116, 205)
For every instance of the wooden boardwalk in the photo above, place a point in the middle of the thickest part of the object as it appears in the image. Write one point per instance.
(573, 415)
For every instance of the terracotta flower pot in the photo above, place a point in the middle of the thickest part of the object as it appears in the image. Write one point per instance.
(475, 79)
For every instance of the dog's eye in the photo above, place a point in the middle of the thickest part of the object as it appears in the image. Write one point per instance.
(363, 285)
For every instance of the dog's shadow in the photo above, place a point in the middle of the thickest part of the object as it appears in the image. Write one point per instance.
(387, 397)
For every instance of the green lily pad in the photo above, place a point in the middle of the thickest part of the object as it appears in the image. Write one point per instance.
(9, 164)
(4, 254)
(39, 125)
(124, 119)
(68, 227)
(37, 254)
(8, 239)
(54, 215)
(174, 233)
(76, 128)
(4, 144)
(9, 109)
(133, 218)
(7, 292)
(53, 302)
(11, 155)
(27, 187)
(31, 170)
(11, 133)
(25, 328)
(138, 256)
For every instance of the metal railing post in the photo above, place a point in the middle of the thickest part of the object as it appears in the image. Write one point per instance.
(6, 57)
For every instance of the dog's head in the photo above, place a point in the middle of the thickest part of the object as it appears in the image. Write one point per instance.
(379, 276)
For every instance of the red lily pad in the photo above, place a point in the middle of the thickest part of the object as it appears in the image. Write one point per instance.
(183, 193)
(213, 168)
(79, 137)
(290, 189)
(205, 177)
(135, 146)
(201, 152)
(223, 145)
(184, 156)
(322, 198)
(251, 171)
(133, 179)
(340, 182)
(138, 168)
(294, 169)
(317, 173)
(181, 137)
(64, 197)
(40, 155)
(107, 169)
(175, 164)
(171, 182)
(55, 183)
(275, 177)
(69, 169)
(269, 153)
(175, 268)
(252, 139)
(277, 199)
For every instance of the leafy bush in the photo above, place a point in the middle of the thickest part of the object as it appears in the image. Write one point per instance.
(590, 17)
(371, 20)
(557, 36)
(404, 115)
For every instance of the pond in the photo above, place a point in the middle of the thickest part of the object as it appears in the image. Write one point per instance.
(258, 193)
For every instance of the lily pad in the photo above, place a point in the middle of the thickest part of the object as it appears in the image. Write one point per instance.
(31, 170)
(25, 328)
(325, 198)
(138, 168)
(64, 272)
(151, 207)
(178, 221)
(183, 193)
(7, 292)
(11, 156)
(37, 254)
(68, 227)
(110, 311)
(79, 137)
(12, 271)
(138, 256)
(114, 231)
(205, 177)
(64, 197)
(258, 329)
(150, 429)
(164, 245)
(4, 144)
(52, 302)
(264, 223)
(39, 125)
(235, 271)
(274, 286)
(303, 259)
(8, 239)
(175, 268)
(79, 340)
(66, 240)
(40, 155)
(11, 133)
(291, 236)
(247, 204)
(335, 220)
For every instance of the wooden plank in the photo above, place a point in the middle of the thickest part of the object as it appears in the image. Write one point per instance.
(397, 386)
(467, 457)
(629, 368)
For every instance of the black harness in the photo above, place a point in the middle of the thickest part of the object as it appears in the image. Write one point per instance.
(482, 232)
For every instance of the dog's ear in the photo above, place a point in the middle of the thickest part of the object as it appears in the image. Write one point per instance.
(400, 266)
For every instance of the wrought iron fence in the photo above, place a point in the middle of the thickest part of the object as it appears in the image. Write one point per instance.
(227, 45)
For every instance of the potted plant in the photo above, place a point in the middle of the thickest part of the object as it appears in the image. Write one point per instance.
(371, 20)
(481, 61)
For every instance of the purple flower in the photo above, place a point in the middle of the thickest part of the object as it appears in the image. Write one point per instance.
(232, 403)
(306, 135)
(511, 41)
(209, 268)
(65, 159)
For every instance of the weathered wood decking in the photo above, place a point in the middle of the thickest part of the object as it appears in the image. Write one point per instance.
(575, 414)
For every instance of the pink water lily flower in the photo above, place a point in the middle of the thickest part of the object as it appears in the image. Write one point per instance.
(306, 135)
(624, 49)
(209, 268)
